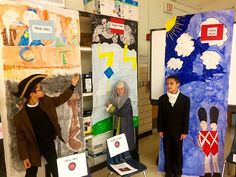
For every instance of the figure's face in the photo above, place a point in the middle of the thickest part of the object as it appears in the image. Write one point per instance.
(104, 21)
(172, 86)
(9, 17)
(213, 126)
(203, 125)
(120, 91)
(29, 15)
(38, 93)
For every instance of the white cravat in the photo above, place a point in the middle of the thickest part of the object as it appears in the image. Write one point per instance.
(32, 106)
(172, 97)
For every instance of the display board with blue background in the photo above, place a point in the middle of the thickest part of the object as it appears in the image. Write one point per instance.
(198, 50)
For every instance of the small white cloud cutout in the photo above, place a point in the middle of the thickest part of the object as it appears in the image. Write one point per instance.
(185, 45)
(175, 64)
(210, 59)
(211, 21)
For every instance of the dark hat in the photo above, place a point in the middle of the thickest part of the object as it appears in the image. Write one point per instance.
(214, 114)
(26, 86)
(202, 114)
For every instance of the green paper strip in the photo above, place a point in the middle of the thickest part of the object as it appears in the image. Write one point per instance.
(102, 126)
(135, 121)
(105, 125)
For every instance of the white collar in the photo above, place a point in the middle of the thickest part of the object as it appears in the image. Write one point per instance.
(32, 106)
(173, 94)
(173, 97)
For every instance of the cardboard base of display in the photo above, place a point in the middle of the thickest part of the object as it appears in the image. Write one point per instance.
(98, 141)
(97, 159)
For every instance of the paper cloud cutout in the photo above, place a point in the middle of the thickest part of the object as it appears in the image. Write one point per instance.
(175, 64)
(210, 59)
(185, 45)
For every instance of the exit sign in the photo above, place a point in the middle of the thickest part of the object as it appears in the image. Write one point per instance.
(168, 7)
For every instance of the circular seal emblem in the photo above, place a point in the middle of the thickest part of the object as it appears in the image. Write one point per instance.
(117, 144)
(71, 166)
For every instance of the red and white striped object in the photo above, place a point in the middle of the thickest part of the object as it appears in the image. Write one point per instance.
(117, 25)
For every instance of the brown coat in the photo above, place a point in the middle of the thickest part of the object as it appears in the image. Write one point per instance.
(26, 141)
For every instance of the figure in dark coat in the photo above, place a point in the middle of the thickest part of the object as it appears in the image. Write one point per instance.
(173, 125)
(37, 124)
(121, 108)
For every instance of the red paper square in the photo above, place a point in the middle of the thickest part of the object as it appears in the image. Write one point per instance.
(212, 32)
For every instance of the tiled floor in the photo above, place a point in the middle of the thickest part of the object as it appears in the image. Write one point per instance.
(148, 152)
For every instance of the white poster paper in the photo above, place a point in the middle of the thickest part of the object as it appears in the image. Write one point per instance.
(123, 168)
(107, 7)
(59, 3)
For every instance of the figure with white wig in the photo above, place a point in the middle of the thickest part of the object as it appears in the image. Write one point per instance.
(120, 106)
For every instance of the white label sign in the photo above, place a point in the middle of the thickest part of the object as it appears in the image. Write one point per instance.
(212, 31)
(118, 26)
(42, 29)
(117, 145)
(73, 165)
(88, 84)
(234, 158)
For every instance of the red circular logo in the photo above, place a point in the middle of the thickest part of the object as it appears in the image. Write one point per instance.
(71, 166)
(117, 144)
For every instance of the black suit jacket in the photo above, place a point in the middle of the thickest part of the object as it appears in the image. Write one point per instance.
(173, 121)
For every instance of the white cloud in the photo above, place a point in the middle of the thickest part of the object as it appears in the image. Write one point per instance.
(210, 59)
(175, 64)
(127, 37)
(104, 30)
(185, 45)
(211, 21)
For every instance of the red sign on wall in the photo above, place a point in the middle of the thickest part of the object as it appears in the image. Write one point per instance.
(212, 32)
(148, 37)
(168, 7)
